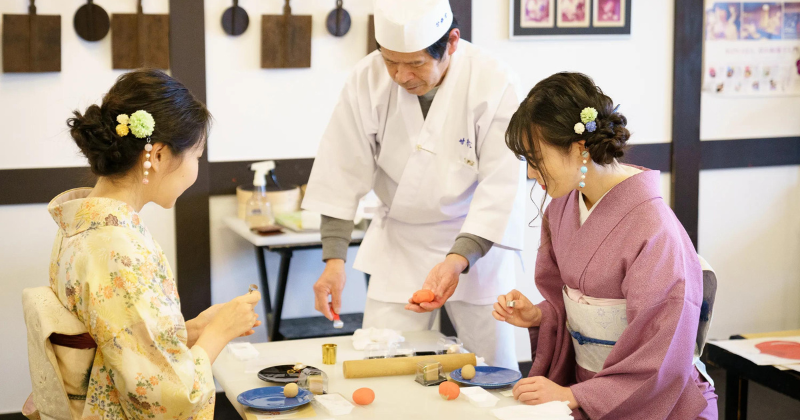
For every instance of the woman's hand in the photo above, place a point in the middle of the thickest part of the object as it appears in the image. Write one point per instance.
(196, 326)
(236, 318)
(539, 390)
(233, 319)
(524, 314)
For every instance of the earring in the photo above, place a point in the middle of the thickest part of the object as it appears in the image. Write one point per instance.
(147, 165)
(584, 169)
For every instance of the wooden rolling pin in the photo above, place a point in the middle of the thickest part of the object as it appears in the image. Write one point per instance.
(395, 366)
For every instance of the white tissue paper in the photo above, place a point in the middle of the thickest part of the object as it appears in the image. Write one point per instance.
(334, 404)
(555, 410)
(242, 351)
(479, 397)
(365, 336)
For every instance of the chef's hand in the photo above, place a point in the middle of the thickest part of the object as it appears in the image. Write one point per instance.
(524, 314)
(330, 283)
(539, 390)
(442, 280)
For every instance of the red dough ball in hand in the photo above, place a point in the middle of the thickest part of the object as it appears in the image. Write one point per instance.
(424, 295)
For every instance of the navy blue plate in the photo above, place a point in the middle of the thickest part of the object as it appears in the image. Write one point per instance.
(488, 377)
(271, 398)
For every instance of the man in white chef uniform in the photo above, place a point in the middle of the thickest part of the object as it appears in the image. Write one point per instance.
(422, 121)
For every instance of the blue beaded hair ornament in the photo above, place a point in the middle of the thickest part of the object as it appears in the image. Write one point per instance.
(588, 123)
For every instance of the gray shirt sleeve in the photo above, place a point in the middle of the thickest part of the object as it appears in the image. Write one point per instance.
(471, 247)
(336, 236)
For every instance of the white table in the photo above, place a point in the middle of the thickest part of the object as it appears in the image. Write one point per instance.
(284, 244)
(396, 397)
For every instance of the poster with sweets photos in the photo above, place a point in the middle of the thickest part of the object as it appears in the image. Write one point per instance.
(532, 19)
(752, 48)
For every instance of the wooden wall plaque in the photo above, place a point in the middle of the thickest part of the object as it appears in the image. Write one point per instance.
(139, 40)
(31, 43)
(285, 40)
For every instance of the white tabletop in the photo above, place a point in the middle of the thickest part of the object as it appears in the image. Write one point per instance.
(288, 238)
(396, 397)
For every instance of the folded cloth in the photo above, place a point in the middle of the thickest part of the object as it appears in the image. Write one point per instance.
(555, 410)
(365, 336)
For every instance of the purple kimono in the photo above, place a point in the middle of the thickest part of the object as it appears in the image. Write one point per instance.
(631, 247)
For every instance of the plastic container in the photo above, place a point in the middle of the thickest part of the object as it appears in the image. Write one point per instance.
(314, 381)
(430, 373)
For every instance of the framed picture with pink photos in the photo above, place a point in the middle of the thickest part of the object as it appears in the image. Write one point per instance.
(556, 18)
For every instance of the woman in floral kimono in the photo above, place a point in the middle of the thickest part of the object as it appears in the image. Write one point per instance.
(622, 282)
(143, 143)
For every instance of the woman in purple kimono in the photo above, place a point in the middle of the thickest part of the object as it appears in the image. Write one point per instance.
(623, 286)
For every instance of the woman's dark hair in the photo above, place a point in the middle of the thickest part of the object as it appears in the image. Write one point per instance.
(181, 121)
(438, 48)
(551, 111)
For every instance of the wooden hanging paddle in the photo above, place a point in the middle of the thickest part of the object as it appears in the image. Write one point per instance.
(91, 22)
(139, 40)
(31, 43)
(285, 40)
(235, 20)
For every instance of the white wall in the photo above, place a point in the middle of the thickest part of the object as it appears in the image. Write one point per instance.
(35, 108)
(750, 233)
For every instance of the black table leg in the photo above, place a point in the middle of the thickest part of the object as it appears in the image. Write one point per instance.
(264, 287)
(283, 278)
(735, 396)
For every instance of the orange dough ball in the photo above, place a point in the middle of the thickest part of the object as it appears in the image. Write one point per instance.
(423, 296)
(364, 396)
(449, 390)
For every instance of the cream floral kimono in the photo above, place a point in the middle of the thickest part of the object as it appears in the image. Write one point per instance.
(108, 270)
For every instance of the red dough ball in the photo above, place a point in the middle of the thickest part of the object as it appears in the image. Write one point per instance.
(424, 295)
(449, 391)
(364, 396)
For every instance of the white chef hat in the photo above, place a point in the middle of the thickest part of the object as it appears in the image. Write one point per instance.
(411, 25)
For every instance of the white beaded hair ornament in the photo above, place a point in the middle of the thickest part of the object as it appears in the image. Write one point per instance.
(141, 124)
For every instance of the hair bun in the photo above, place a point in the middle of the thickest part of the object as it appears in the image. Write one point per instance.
(94, 134)
(610, 139)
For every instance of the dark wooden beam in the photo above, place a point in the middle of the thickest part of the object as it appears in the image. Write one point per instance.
(655, 156)
(229, 175)
(192, 228)
(35, 186)
(750, 153)
(686, 85)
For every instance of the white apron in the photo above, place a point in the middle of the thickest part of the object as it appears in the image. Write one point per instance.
(438, 176)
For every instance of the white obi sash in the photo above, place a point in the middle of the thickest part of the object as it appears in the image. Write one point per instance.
(594, 330)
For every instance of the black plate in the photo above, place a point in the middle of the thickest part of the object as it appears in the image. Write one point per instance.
(280, 374)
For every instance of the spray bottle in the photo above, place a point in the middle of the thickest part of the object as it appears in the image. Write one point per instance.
(258, 214)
